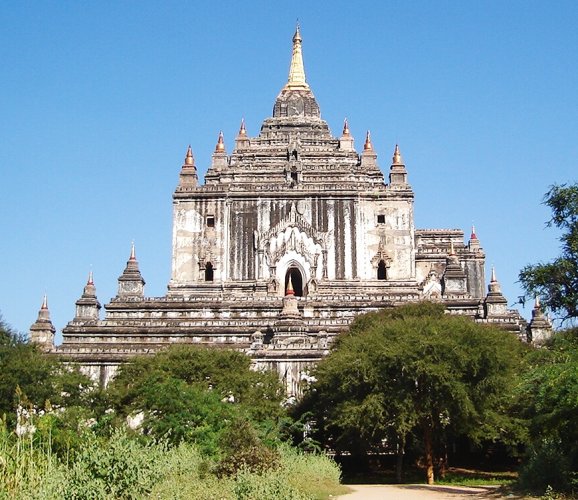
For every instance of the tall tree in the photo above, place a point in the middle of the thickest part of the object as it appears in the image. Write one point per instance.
(556, 282)
(415, 370)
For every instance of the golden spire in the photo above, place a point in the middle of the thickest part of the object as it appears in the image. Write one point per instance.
(368, 146)
(220, 148)
(243, 130)
(397, 159)
(296, 78)
(345, 128)
(189, 159)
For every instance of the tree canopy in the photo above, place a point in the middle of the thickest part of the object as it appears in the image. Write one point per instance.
(29, 378)
(192, 393)
(556, 282)
(415, 370)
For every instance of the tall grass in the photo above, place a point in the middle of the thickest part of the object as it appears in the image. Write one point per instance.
(124, 467)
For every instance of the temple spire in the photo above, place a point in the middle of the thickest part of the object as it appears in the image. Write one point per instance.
(296, 78)
(190, 159)
(220, 147)
(368, 146)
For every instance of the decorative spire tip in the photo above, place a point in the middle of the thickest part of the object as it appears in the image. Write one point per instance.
(44, 302)
(368, 146)
(220, 148)
(397, 160)
(132, 252)
(189, 158)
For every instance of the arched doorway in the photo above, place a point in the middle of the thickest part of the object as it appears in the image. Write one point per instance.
(381, 270)
(208, 271)
(296, 281)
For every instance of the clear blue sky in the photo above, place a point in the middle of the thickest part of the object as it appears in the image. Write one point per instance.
(99, 100)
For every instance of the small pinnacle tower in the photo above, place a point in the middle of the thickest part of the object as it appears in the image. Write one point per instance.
(130, 282)
(368, 156)
(188, 178)
(397, 171)
(42, 330)
(220, 154)
(495, 303)
(346, 139)
(296, 80)
(242, 141)
(454, 278)
(290, 309)
(539, 329)
(88, 307)
(474, 243)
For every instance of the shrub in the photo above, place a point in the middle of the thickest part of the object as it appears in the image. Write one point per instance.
(546, 468)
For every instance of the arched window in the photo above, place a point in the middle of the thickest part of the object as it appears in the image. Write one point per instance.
(381, 270)
(296, 281)
(208, 271)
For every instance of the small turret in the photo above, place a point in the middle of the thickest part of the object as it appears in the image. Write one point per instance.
(42, 330)
(242, 141)
(188, 177)
(220, 154)
(454, 279)
(495, 304)
(130, 282)
(88, 307)
(397, 171)
(290, 309)
(368, 157)
(474, 243)
(346, 139)
(539, 329)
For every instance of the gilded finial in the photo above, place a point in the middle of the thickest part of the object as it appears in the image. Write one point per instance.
(90, 278)
(296, 78)
(132, 252)
(220, 148)
(290, 290)
(243, 130)
(345, 128)
(368, 146)
(397, 159)
(473, 236)
(189, 159)
(44, 302)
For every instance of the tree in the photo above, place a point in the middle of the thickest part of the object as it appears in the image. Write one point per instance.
(30, 378)
(556, 282)
(195, 392)
(550, 395)
(414, 370)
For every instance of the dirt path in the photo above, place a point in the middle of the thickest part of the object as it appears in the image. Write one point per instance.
(419, 492)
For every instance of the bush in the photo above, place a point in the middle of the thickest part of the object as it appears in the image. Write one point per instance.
(546, 468)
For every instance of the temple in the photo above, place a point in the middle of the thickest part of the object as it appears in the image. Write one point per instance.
(293, 234)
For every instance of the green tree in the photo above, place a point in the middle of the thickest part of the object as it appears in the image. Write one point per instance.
(29, 377)
(550, 395)
(556, 282)
(414, 370)
(194, 392)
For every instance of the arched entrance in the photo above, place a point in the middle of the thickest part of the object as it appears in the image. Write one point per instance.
(381, 270)
(296, 281)
(208, 271)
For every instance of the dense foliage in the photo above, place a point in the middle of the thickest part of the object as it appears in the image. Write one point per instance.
(556, 282)
(550, 393)
(415, 371)
(31, 380)
(192, 393)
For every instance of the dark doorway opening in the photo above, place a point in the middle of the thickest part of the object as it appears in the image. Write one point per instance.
(381, 270)
(208, 271)
(296, 281)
